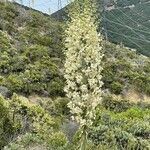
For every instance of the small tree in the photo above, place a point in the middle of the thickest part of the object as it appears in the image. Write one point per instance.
(83, 65)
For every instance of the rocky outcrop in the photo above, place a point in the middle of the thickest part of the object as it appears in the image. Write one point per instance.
(5, 91)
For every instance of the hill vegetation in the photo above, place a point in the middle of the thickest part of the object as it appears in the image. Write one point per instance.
(124, 22)
(33, 106)
(130, 25)
(30, 47)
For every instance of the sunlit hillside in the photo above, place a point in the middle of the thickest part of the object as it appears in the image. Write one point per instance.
(124, 22)
(34, 110)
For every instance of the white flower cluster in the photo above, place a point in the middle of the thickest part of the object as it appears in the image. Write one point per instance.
(83, 67)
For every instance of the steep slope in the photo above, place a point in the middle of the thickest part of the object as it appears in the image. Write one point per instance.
(31, 54)
(31, 64)
(30, 44)
(130, 25)
(124, 22)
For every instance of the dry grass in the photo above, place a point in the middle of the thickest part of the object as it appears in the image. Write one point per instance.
(136, 97)
(37, 147)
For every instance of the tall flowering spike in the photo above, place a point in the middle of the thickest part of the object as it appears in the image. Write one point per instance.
(83, 66)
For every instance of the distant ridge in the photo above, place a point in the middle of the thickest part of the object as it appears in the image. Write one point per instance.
(124, 22)
(30, 8)
(61, 14)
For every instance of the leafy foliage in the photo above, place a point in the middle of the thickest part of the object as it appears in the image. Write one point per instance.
(32, 58)
(6, 125)
(19, 116)
(31, 61)
(28, 53)
(126, 130)
(124, 69)
(29, 141)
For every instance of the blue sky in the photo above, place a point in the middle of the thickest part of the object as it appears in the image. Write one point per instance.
(46, 6)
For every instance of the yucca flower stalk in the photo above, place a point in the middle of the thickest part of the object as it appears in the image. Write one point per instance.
(83, 66)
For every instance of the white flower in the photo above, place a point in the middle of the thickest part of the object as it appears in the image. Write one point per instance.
(83, 67)
(84, 88)
(79, 78)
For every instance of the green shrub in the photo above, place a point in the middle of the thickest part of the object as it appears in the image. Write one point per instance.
(19, 116)
(40, 121)
(4, 41)
(57, 106)
(57, 141)
(6, 125)
(61, 107)
(116, 87)
(26, 141)
(55, 87)
(14, 83)
(36, 52)
(116, 105)
(124, 130)
(5, 63)
(19, 63)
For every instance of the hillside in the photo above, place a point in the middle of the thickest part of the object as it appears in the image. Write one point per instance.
(33, 105)
(32, 54)
(123, 22)
(30, 47)
(130, 26)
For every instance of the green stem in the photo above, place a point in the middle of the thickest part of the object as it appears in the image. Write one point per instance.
(84, 139)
